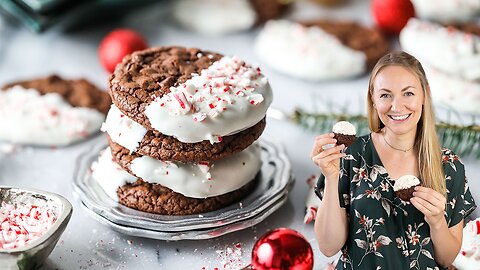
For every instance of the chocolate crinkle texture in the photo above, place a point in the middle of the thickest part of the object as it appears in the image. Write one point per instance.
(157, 199)
(270, 9)
(347, 140)
(162, 147)
(405, 194)
(78, 93)
(357, 37)
(147, 74)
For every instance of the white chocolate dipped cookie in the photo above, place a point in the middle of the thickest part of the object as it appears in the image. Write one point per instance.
(51, 111)
(319, 50)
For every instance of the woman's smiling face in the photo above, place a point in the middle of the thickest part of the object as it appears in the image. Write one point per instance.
(398, 97)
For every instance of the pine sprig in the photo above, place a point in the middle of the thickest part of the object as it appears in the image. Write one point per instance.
(463, 140)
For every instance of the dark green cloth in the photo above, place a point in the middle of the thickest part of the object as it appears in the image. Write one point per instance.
(385, 232)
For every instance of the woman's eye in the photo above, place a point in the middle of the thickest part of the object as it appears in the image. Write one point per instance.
(384, 95)
(409, 94)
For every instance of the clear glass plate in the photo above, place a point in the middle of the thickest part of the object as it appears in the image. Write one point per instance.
(206, 233)
(275, 181)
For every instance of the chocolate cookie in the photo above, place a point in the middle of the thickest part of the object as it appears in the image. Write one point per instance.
(358, 37)
(161, 147)
(270, 9)
(51, 111)
(157, 199)
(195, 105)
(405, 186)
(166, 149)
(150, 73)
(345, 133)
(78, 93)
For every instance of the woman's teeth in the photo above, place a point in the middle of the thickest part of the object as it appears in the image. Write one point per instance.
(399, 117)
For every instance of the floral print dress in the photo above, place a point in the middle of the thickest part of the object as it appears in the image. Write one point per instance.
(384, 231)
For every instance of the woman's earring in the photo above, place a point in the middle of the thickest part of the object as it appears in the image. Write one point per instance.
(374, 106)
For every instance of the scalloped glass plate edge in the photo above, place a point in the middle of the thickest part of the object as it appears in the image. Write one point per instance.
(191, 234)
(120, 214)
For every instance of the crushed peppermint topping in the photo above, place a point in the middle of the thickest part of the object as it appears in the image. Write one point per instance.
(21, 224)
(231, 257)
(215, 139)
(212, 92)
(205, 168)
(44, 119)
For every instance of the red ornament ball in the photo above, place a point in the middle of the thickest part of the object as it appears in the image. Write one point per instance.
(282, 249)
(392, 15)
(118, 44)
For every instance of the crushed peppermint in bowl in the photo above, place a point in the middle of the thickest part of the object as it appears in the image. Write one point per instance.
(31, 223)
(22, 224)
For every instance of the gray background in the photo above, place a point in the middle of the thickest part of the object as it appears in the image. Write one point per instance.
(87, 244)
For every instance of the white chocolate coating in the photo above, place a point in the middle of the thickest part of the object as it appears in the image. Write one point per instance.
(405, 182)
(48, 120)
(447, 10)
(228, 97)
(123, 130)
(215, 17)
(200, 180)
(345, 128)
(109, 175)
(454, 52)
(307, 52)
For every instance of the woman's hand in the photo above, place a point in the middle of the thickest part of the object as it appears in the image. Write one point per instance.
(327, 159)
(431, 204)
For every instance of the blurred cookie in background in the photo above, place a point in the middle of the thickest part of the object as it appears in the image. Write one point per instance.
(447, 11)
(218, 17)
(330, 3)
(320, 50)
(51, 111)
(451, 59)
(450, 49)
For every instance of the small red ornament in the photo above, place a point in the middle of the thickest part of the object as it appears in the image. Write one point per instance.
(282, 249)
(118, 44)
(392, 15)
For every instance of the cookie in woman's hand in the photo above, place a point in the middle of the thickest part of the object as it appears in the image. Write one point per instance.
(345, 133)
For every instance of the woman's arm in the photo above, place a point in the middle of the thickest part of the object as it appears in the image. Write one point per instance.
(331, 226)
(446, 241)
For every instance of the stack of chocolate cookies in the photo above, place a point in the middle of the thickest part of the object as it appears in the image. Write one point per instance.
(182, 131)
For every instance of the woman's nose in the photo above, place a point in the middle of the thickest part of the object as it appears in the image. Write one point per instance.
(397, 104)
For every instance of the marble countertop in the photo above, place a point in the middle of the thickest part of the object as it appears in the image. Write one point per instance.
(86, 243)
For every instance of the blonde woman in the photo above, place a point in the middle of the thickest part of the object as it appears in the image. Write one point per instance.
(360, 214)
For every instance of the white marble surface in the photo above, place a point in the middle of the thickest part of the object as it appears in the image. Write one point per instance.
(87, 244)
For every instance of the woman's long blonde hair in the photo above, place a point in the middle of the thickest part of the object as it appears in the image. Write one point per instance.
(426, 140)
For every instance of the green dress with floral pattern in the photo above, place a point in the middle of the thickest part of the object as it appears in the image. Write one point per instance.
(384, 231)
